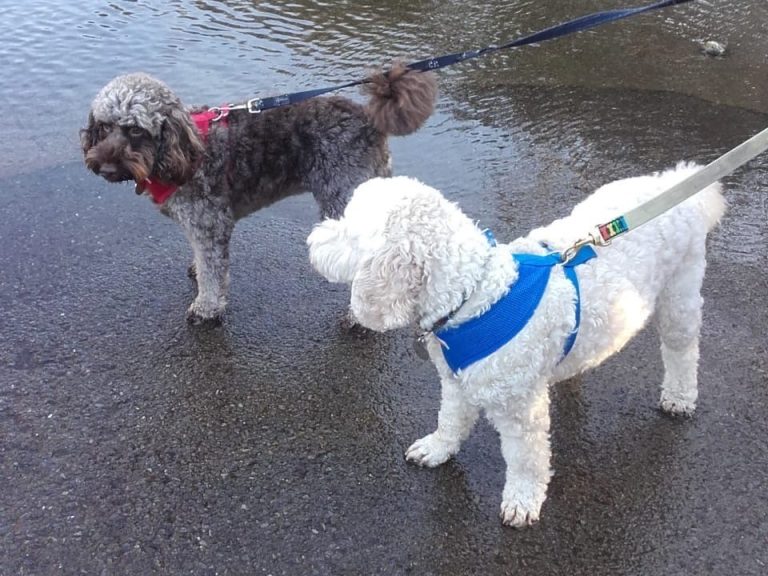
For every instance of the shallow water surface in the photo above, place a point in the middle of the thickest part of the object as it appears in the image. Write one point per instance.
(617, 91)
(56, 55)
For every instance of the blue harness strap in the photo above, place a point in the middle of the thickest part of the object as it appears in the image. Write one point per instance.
(584, 254)
(479, 337)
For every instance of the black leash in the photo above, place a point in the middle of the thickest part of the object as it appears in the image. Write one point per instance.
(256, 105)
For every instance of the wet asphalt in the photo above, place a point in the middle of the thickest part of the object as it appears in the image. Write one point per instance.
(134, 444)
(131, 443)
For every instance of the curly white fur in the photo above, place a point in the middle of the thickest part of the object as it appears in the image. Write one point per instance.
(412, 256)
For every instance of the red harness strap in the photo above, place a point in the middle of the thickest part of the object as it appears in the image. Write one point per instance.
(161, 191)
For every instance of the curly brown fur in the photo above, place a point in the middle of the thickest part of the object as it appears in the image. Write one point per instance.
(180, 148)
(401, 100)
(139, 129)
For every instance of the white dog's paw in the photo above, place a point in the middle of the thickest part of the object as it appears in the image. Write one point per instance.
(516, 514)
(521, 502)
(431, 451)
(676, 405)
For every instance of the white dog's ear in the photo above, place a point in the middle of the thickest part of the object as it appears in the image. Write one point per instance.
(385, 290)
(332, 251)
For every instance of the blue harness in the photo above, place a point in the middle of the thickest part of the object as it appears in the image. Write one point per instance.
(479, 337)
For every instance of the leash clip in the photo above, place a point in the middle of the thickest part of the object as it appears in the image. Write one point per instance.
(594, 238)
(221, 112)
(254, 105)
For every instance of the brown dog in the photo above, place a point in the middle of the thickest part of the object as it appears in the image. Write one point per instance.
(207, 172)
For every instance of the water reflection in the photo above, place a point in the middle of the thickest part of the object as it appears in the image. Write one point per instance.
(56, 56)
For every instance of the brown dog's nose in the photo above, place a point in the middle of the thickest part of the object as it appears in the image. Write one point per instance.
(106, 170)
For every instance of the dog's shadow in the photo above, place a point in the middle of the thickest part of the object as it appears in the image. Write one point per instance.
(613, 465)
(607, 465)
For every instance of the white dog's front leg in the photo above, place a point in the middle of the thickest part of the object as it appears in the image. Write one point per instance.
(524, 430)
(454, 423)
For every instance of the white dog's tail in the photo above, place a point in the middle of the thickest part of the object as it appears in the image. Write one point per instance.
(709, 201)
(333, 252)
(712, 203)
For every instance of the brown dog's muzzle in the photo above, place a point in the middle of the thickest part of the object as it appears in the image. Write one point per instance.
(115, 159)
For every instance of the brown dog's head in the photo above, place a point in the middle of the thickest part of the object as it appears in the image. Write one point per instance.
(138, 128)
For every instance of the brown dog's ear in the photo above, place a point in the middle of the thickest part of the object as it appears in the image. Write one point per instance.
(180, 148)
(88, 135)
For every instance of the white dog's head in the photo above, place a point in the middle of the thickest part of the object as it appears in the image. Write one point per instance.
(407, 252)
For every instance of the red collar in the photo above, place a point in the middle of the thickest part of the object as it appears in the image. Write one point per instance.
(161, 191)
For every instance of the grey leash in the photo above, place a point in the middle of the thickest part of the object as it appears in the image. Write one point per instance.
(602, 234)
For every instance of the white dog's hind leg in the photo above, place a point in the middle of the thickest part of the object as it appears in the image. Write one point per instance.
(524, 431)
(679, 323)
(454, 423)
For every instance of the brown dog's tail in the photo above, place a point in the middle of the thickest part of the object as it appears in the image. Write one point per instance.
(401, 100)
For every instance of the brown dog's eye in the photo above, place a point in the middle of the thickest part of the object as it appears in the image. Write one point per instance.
(104, 129)
(135, 132)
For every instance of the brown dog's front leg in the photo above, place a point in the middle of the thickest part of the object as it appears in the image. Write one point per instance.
(211, 264)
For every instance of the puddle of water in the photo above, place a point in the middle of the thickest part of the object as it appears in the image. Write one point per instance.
(546, 124)
(57, 55)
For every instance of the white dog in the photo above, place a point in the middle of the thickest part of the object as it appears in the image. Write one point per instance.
(412, 256)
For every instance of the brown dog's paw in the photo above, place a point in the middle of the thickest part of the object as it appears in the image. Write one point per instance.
(199, 315)
(349, 324)
(194, 319)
